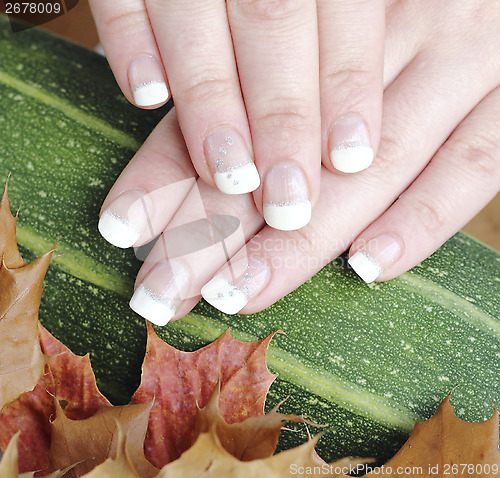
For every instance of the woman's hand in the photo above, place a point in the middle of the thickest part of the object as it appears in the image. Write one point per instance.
(438, 164)
(246, 77)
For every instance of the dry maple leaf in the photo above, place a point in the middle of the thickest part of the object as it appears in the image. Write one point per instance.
(86, 427)
(121, 466)
(9, 466)
(229, 437)
(89, 442)
(67, 378)
(252, 439)
(21, 359)
(246, 449)
(179, 381)
(445, 445)
(8, 243)
(207, 458)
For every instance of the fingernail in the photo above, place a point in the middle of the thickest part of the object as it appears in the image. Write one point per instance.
(231, 289)
(147, 81)
(162, 290)
(350, 148)
(231, 162)
(286, 198)
(375, 256)
(126, 218)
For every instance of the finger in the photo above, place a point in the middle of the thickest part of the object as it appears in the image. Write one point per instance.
(273, 262)
(403, 36)
(196, 46)
(203, 234)
(150, 189)
(130, 47)
(276, 45)
(462, 177)
(419, 104)
(351, 42)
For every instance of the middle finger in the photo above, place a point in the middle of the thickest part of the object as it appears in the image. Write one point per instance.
(276, 45)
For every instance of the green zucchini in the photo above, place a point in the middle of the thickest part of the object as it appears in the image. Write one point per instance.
(366, 360)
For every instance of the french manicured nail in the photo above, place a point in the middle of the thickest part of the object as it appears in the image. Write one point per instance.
(375, 256)
(231, 162)
(147, 81)
(162, 290)
(350, 148)
(286, 198)
(231, 289)
(126, 218)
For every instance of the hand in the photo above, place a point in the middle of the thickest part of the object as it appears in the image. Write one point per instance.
(437, 165)
(246, 77)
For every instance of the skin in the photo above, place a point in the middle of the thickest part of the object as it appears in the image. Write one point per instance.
(254, 66)
(437, 162)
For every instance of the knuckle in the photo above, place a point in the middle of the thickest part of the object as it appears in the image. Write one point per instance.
(202, 88)
(269, 10)
(313, 246)
(130, 21)
(350, 88)
(480, 155)
(305, 239)
(348, 76)
(430, 215)
(296, 118)
(388, 158)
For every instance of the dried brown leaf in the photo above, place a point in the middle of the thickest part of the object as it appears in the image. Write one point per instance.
(29, 414)
(251, 439)
(67, 378)
(121, 466)
(71, 379)
(9, 253)
(21, 359)
(91, 441)
(445, 445)
(207, 458)
(8, 465)
(177, 381)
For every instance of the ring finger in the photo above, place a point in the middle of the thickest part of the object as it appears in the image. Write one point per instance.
(276, 44)
(437, 105)
(462, 177)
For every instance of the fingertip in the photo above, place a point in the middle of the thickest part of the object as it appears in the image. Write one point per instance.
(240, 180)
(230, 161)
(373, 258)
(286, 197)
(237, 283)
(352, 159)
(222, 294)
(147, 81)
(349, 145)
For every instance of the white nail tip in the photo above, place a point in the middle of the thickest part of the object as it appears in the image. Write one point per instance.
(117, 230)
(352, 159)
(240, 180)
(149, 306)
(365, 266)
(150, 94)
(224, 295)
(288, 217)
